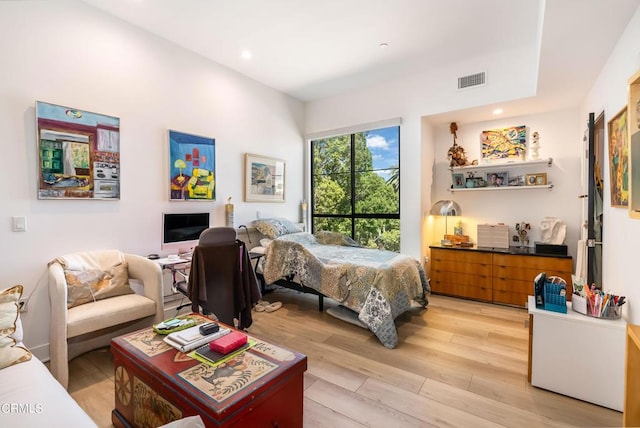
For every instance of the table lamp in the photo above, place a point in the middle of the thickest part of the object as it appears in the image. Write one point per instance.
(445, 208)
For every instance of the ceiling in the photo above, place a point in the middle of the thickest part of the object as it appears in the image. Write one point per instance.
(313, 49)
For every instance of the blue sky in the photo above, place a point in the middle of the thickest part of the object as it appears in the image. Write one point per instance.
(383, 144)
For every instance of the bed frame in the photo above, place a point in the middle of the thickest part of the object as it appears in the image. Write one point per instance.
(251, 237)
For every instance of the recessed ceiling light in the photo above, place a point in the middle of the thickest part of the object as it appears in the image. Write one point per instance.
(246, 54)
(384, 45)
(497, 111)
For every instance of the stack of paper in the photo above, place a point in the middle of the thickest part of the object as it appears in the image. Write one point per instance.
(190, 338)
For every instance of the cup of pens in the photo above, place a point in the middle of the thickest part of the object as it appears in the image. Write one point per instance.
(603, 305)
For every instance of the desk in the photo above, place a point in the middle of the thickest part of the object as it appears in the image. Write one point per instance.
(155, 384)
(577, 355)
(178, 268)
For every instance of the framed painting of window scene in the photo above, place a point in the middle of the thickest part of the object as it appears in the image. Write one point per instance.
(192, 166)
(619, 159)
(78, 153)
(264, 179)
(504, 145)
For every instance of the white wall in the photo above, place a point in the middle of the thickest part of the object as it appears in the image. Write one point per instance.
(67, 53)
(411, 98)
(621, 233)
(560, 139)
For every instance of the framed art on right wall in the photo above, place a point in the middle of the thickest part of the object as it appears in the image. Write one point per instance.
(619, 159)
(634, 145)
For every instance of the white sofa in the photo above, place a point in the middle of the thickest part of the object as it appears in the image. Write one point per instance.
(29, 394)
(31, 397)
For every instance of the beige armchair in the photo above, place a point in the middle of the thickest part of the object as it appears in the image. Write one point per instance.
(92, 325)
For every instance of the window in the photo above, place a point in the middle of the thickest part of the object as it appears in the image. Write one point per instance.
(355, 186)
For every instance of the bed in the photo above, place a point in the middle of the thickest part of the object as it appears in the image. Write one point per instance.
(378, 285)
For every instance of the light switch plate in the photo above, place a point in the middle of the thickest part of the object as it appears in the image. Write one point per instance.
(19, 224)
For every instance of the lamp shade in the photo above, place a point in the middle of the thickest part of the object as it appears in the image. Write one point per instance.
(445, 208)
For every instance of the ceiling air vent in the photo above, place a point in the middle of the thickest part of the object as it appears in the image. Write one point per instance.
(477, 79)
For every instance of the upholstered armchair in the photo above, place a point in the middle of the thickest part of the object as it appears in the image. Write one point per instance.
(96, 296)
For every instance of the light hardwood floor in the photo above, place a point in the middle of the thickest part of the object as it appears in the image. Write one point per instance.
(458, 364)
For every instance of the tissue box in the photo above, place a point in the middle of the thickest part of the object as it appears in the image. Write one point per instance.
(557, 250)
(493, 235)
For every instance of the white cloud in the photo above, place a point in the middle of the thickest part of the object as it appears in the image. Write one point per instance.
(377, 142)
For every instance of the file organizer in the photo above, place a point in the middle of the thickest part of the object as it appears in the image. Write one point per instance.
(553, 300)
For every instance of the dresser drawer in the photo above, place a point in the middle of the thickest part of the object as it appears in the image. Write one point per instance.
(457, 290)
(461, 256)
(467, 280)
(510, 297)
(534, 262)
(460, 267)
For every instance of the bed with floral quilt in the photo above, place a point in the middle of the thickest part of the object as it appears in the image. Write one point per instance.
(377, 284)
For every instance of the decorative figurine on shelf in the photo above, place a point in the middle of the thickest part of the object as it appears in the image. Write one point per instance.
(523, 235)
(456, 154)
(534, 146)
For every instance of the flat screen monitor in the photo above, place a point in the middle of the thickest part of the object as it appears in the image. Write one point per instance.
(181, 230)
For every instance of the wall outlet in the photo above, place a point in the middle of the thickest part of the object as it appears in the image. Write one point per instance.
(22, 304)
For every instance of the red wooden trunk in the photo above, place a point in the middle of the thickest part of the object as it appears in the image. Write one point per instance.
(155, 384)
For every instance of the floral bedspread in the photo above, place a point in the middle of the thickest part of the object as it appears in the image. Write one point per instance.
(379, 285)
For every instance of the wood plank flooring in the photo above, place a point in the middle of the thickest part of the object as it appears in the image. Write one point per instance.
(458, 364)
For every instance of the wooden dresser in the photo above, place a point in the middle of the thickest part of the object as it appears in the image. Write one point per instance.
(493, 275)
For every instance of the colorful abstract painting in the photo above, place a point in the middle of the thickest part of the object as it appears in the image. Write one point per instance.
(619, 160)
(78, 153)
(504, 144)
(192, 167)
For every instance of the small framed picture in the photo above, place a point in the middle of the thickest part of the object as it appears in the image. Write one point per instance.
(518, 180)
(458, 181)
(497, 179)
(263, 179)
(539, 179)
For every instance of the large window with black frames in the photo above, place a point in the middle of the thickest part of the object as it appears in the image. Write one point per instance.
(355, 185)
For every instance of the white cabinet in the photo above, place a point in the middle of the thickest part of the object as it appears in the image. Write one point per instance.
(577, 355)
(459, 175)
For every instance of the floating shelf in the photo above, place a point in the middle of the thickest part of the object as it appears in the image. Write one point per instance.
(480, 189)
(498, 166)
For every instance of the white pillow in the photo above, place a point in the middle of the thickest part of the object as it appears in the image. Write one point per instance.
(10, 353)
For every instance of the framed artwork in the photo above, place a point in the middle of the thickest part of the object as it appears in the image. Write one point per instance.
(504, 144)
(192, 167)
(518, 180)
(539, 179)
(458, 181)
(475, 182)
(78, 153)
(263, 179)
(619, 159)
(497, 179)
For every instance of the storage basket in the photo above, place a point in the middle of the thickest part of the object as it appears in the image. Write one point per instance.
(555, 298)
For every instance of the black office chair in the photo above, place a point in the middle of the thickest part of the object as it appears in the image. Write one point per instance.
(221, 278)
